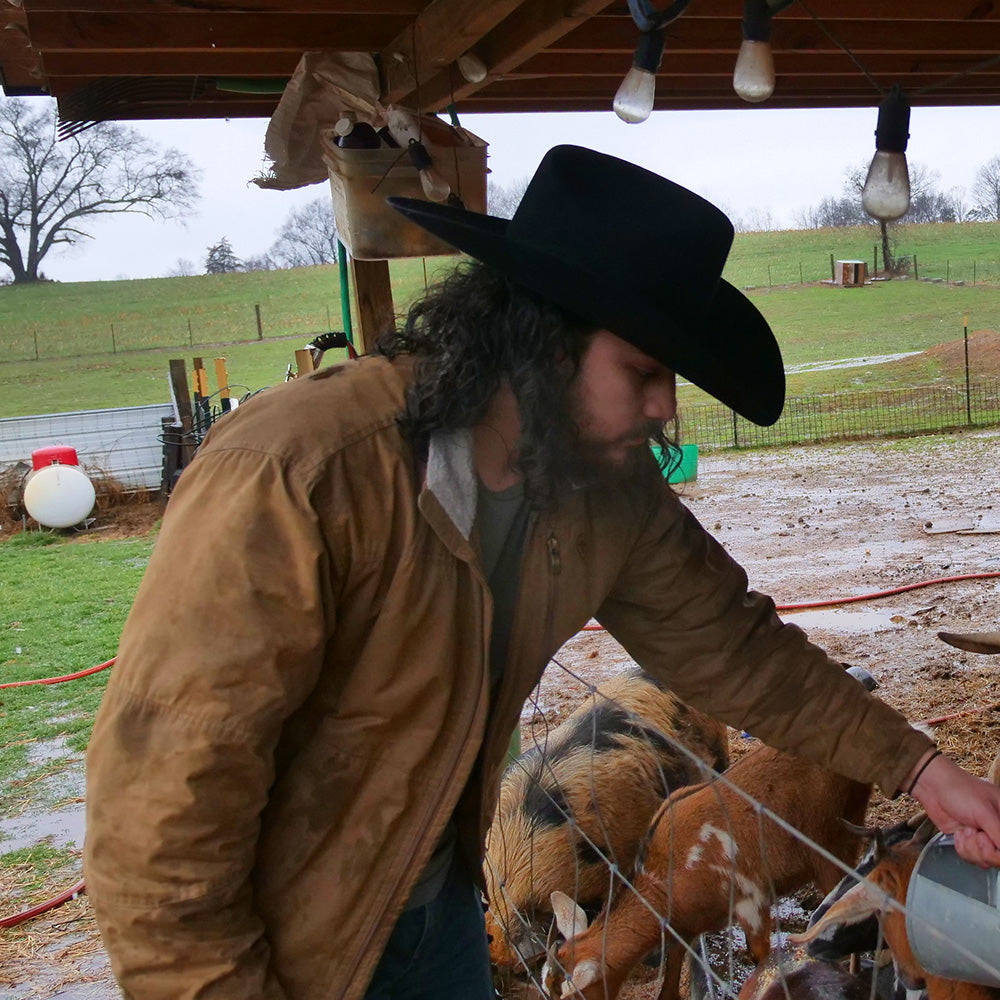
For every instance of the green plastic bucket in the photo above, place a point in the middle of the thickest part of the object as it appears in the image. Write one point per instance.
(687, 471)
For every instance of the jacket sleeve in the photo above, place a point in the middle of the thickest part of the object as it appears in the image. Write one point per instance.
(682, 609)
(224, 640)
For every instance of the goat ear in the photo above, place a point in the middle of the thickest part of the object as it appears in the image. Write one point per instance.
(973, 642)
(570, 918)
(857, 904)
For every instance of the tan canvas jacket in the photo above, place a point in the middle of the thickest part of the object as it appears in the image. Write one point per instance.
(300, 694)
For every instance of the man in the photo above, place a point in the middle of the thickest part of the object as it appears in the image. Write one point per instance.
(362, 575)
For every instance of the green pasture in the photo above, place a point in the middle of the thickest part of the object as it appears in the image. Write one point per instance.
(64, 603)
(79, 366)
(967, 252)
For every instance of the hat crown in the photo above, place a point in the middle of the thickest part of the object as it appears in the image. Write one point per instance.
(625, 224)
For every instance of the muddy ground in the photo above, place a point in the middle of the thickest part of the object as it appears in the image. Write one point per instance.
(810, 524)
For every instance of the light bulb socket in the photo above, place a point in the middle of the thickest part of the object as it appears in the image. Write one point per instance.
(648, 51)
(419, 156)
(893, 128)
(756, 21)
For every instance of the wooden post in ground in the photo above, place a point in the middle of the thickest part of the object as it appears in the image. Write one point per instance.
(375, 310)
(222, 377)
(179, 389)
(202, 408)
(303, 362)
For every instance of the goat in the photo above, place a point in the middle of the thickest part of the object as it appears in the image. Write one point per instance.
(794, 976)
(867, 899)
(889, 865)
(587, 794)
(709, 856)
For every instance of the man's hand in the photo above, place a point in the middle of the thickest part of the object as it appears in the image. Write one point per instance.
(963, 805)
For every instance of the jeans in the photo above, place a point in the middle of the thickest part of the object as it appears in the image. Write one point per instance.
(438, 951)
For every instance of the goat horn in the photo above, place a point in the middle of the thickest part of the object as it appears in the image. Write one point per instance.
(973, 642)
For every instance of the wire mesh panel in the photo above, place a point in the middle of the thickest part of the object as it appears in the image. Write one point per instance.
(592, 897)
(849, 416)
(123, 443)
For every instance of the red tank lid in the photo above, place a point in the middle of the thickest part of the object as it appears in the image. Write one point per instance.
(55, 454)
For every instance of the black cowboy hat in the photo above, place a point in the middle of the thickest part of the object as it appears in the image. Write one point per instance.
(631, 252)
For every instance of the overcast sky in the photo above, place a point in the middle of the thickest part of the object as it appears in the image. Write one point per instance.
(749, 161)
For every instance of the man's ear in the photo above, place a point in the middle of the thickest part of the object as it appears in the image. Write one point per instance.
(570, 918)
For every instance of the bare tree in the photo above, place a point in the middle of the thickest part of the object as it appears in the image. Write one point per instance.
(183, 268)
(959, 198)
(307, 237)
(502, 200)
(50, 190)
(986, 191)
(755, 220)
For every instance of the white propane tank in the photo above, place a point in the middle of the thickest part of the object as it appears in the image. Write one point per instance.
(58, 493)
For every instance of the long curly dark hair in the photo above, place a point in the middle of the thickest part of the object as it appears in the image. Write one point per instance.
(471, 332)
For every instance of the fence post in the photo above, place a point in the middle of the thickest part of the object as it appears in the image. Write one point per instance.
(875, 252)
(801, 280)
(916, 270)
(190, 334)
(947, 272)
(973, 272)
(260, 328)
(114, 346)
(35, 332)
(736, 432)
(833, 272)
(768, 275)
(968, 389)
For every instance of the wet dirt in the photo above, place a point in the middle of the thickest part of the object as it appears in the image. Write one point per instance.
(809, 524)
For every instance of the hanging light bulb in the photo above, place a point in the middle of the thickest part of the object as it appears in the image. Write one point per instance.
(435, 186)
(886, 195)
(634, 100)
(471, 67)
(753, 78)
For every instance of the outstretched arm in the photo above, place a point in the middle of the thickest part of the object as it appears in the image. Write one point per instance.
(961, 804)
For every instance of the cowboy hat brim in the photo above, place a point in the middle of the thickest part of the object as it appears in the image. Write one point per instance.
(730, 352)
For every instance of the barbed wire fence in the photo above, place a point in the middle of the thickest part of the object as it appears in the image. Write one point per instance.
(652, 891)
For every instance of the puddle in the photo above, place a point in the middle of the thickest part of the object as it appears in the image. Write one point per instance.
(58, 828)
(848, 622)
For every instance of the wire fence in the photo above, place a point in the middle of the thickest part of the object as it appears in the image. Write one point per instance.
(752, 272)
(716, 867)
(849, 416)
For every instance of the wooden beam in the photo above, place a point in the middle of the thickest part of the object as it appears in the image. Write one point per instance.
(443, 31)
(376, 314)
(208, 62)
(61, 31)
(247, 7)
(534, 26)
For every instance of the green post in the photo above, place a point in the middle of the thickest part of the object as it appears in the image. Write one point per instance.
(345, 291)
(916, 270)
(833, 271)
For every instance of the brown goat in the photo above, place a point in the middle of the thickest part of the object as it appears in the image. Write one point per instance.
(593, 786)
(711, 858)
(868, 898)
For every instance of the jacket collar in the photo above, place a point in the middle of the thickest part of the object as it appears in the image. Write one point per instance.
(451, 476)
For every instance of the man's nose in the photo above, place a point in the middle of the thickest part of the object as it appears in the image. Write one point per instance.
(661, 398)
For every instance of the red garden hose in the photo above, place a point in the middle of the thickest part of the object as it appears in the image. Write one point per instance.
(65, 677)
(63, 897)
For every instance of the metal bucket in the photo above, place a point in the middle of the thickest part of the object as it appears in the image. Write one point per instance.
(953, 915)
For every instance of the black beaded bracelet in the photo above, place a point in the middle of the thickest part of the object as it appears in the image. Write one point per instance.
(923, 767)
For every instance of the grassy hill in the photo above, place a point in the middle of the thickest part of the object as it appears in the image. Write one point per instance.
(103, 344)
